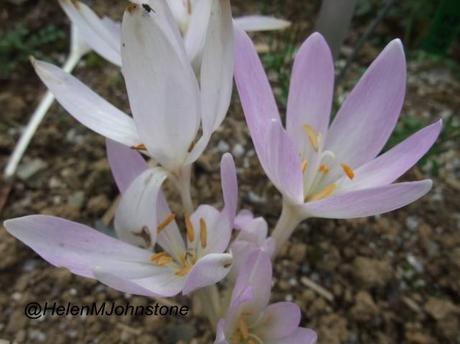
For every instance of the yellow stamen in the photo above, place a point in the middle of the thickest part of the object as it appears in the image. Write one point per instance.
(161, 258)
(183, 271)
(326, 192)
(190, 229)
(140, 146)
(171, 217)
(323, 168)
(203, 233)
(348, 171)
(244, 329)
(304, 166)
(312, 136)
(131, 8)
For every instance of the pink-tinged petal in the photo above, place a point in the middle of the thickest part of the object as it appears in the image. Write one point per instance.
(170, 238)
(301, 335)
(195, 35)
(163, 282)
(216, 79)
(256, 274)
(261, 23)
(79, 248)
(280, 161)
(254, 231)
(367, 202)
(94, 30)
(310, 92)
(126, 164)
(136, 215)
(389, 166)
(220, 334)
(253, 87)
(86, 106)
(229, 185)
(369, 114)
(243, 218)
(210, 269)
(280, 320)
(162, 89)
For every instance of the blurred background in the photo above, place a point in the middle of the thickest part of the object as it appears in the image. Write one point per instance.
(385, 279)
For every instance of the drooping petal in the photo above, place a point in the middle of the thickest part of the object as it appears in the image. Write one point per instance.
(163, 91)
(216, 79)
(210, 269)
(301, 335)
(310, 92)
(86, 106)
(280, 320)
(261, 23)
(229, 185)
(367, 202)
(94, 30)
(389, 166)
(369, 114)
(136, 219)
(125, 163)
(79, 248)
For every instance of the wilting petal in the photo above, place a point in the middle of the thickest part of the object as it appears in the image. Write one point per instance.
(136, 218)
(86, 106)
(369, 114)
(311, 91)
(280, 320)
(261, 23)
(229, 185)
(301, 335)
(210, 269)
(196, 32)
(386, 168)
(126, 164)
(79, 248)
(367, 202)
(93, 30)
(216, 79)
(163, 91)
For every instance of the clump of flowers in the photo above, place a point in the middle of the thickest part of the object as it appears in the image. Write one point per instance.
(178, 60)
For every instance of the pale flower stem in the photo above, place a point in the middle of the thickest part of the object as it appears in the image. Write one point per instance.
(208, 300)
(286, 224)
(36, 119)
(182, 183)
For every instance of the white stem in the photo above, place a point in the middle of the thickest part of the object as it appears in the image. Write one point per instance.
(208, 299)
(182, 182)
(286, 224)
(35, 121)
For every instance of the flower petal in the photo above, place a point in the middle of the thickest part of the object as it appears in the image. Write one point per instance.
(210, 269)
(220, 334)
(136, 215)
(280, 320)
(126, 164)
(310, 92)
(389, 166)
(301, 335)
(79, 248)
(367, 202)
(196, 32)
(261, 23)
(229, 185)
(86, 106)
(94, 30)
(243, 218)
(369, 114)
(163, 91)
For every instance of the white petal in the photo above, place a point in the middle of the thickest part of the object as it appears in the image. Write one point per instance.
(261, 23)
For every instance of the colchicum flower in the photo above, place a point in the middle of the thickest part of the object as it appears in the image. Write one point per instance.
(170, 107)
(143, 220)
(331, 171)
(250, 319)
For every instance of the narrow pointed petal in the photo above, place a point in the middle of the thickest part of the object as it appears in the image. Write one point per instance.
(126, 164)
(261, 23)
(86, 106)
(229, 185)
(216, 79)
(311, 91)
(369, 114)
(79, 248)
(367, 202)
(93, 30)
(301, 335)
(162, 90)
(196, 32)
(210, 269)
(281, 319)
(136, 215)
(389, 166)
